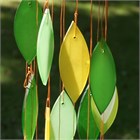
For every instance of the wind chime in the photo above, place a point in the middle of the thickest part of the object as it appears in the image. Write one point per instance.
(83, 72)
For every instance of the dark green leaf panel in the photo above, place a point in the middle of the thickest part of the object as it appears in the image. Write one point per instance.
(83, 118)
(26, 28)
(102, 75)
(30, 109)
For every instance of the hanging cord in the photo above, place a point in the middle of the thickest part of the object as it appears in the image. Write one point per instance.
(52, 9)
(60, 82)
(64, 4)
(102, 129)
(62, 33)
(46, 5)
(35, 67)
(102, 23)
(75, 17)
(76, 12)
(24, 85)
(106, 18)
(98, 27)
(88, 112)
(28, 73)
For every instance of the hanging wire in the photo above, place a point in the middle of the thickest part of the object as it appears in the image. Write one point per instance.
(102, 22)
(106, 18)
(76, 12)
(62, 34)
(98, 27)
(91, 34)
(46, 5)
(75, 17)
(35, 67)
(64, 5)
(102, 129)
(52, 9)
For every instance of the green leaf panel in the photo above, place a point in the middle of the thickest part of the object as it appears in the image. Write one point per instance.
(45, 47)
(102, 75)
(26, 29)
(30, 109)
(63, 118)
(83, 119)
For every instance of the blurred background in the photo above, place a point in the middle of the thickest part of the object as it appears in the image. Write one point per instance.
(123, 40)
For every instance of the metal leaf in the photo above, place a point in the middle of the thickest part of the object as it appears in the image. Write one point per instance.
(25, 28)
(74, 62)
(45, 47)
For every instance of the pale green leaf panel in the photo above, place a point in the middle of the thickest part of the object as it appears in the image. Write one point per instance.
(30, 109)
(102, 75)
(108, 116)
(83, 119)
(26, 28)
(63, 118)
(45, 46)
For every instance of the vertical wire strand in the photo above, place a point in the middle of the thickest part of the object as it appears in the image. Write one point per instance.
(46, 4)
(60, 82)
(98, 26)
(75, 17)
(52, 9)
(26, 71)
(91, 35)
(64, 4)
(106, 19)
(102, 22)
(35, 68)
(103, 33)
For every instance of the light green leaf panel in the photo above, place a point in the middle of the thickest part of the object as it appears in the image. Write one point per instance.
(102, 75)
(105, 120)
(26, 29)
(45, 47)
(83, 119)
(63, 118)
(30, 109)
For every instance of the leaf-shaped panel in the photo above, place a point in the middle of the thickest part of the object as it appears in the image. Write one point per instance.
(108, 116)
(102, 75)
(45, 46)
(30, 109)
(83, 119)
(74, 62)
(63, 118)
(26, 28)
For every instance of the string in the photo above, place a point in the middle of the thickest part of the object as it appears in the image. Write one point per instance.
(64, 3)
(88, 112)
(62, 33)
(29, 71)
(106, 18)
(46, 5)
(35, 68)
(75, 17)
(98, 27)
(102, 22)
(26, 71)
(60, 82)
(76, 12)
(52, 14)
(73, 117)
(104, 33)
(102, 129)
